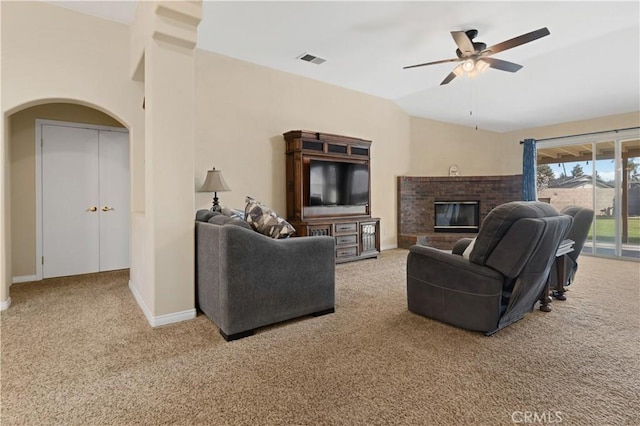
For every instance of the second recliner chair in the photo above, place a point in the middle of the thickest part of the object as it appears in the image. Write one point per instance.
(582, 219)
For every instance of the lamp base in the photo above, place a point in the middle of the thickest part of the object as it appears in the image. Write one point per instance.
(216, 206)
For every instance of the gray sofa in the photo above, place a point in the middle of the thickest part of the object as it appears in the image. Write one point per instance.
(246, 280)
(503, 277)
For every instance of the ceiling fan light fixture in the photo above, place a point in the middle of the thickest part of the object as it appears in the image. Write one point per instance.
(458, 71)
(481, 65)
(468, 65)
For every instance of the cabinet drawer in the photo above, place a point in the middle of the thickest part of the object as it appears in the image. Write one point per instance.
(343, 240)
(346, 227)
(346, 252)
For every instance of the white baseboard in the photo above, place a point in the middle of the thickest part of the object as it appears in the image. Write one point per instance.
(143, 306)
(5, 305)
(175, 317)
(24, 279)
(162, 319)
(388, 247)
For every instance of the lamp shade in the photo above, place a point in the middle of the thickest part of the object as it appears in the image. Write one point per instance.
(214, 182)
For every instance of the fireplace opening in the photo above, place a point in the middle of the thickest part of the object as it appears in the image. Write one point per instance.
(457, 216)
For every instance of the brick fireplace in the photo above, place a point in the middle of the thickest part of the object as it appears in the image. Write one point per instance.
(417, 197)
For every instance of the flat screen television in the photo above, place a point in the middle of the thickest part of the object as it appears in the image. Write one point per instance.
(337, 183)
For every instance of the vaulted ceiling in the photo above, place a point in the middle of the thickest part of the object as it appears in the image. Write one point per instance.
(589, 66)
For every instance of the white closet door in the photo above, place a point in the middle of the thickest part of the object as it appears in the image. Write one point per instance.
(70, 192)
(114, 200)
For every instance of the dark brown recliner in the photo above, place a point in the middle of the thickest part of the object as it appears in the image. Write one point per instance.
(582, 219)
(504, 277)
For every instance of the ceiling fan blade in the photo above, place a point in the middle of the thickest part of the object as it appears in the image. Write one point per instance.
(457, 71)
(517, 41)
(464, 43)
(450, 77)
(432, 63)
(499, 64)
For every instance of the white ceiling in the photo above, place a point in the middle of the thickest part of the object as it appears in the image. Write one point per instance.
(588, 67)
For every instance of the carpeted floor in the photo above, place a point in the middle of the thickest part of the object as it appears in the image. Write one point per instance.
(78, 351)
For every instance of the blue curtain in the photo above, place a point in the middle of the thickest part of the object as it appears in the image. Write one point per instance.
(529, 192)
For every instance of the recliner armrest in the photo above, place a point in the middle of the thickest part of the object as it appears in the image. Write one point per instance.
(461, 245)
(450, 288)
(452, 271)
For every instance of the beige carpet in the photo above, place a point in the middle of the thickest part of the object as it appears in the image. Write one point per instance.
(80, 352)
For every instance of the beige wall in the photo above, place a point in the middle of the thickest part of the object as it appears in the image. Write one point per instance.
(53, 54)
(243, 109)
(435, 146)
(23, 174)
(5, 217)
(612, 122)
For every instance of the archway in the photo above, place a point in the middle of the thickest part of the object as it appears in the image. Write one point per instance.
(20, 195)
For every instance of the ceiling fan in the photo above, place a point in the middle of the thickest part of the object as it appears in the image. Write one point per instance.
(475, 56)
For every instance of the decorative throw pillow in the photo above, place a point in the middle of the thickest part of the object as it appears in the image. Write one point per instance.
(467, 252)
(266, 221)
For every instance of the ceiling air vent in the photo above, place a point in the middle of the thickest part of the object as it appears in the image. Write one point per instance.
(311, 58)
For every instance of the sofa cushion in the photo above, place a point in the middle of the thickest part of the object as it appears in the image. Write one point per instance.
(264, 220)
(220, 219)
(231, 212)
(205, 215)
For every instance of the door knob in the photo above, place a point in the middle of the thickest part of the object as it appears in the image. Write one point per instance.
(107, 208)
(92, 209)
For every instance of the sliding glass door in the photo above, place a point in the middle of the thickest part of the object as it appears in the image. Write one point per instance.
(630, 198)
(605, 234)
(601, 172)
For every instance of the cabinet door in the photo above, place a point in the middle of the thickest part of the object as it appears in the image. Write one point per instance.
(369, 234)
(320, 230)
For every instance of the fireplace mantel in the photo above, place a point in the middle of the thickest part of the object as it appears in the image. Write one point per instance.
(417, 194)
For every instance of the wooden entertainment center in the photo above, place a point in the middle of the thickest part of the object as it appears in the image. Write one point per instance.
(342, 211)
